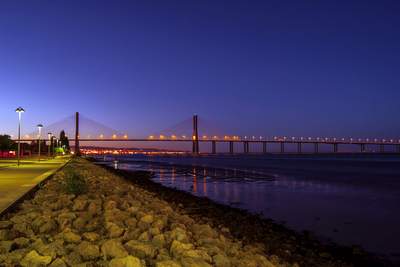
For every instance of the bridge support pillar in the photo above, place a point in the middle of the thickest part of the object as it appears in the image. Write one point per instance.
(264, 147)
(230, 147)
(335, 148)
(77, 151)
(299, 148)
(316, 148)
(382, 148)
(246, 147)
(195, 137)
(362, 148)
(282, 147)
(214, 147)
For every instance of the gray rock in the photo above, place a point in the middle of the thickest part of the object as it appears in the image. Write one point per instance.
(33, 259)
(168, 263)
(178, 248)
(88, 251)
(58, 263)
(114, 230)
(141, 249)
(5, 224)
(113, 249)
(128, 261)
(221, 260)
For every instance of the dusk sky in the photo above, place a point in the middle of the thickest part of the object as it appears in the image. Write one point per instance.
(295, 68)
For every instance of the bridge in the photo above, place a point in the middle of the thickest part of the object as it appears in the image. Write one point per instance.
(234, 141)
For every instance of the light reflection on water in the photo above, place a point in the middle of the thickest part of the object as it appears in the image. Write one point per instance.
(345, 213)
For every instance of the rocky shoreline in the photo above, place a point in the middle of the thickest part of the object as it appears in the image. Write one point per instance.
(116, 221)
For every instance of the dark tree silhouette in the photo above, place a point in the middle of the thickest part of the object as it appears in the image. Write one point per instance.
(6, 143)
(64, 140)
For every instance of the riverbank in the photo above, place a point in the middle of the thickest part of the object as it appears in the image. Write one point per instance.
(119, 222)
(277, 239)
(114, 223)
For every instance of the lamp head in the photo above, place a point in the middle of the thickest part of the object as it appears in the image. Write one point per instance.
(19, 110)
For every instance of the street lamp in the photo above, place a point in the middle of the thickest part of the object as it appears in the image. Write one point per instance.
(49, 147)
(40, 126)
(19, 110)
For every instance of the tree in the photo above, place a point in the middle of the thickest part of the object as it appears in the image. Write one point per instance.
(6, 143)
(64, 141)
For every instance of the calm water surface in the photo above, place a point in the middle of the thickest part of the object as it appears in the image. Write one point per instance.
(352, 201)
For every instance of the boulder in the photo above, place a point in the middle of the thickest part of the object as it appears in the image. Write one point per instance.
(58, 263)
(168, 263)
(5, 224)
(145, 236)
(33, 259)
(71, 237)
(128, 261)
(147, 219)
(5, 246)
(47, 227)
(88, 251)
(159, 240)
(197, 253)
(65, 219)
(221, 260)
(141, 249)
(91, 236)
(203, 231)
(80, 204)
(196, 262)
(114, 230)
(4, 234)
(178, 234)
(178, 248)
(113, 249)
(22, 242)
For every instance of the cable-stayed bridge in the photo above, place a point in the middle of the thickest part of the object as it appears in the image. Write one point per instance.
(197, 131)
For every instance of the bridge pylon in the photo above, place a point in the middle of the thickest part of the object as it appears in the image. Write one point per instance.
(77, 151)
(195, 137)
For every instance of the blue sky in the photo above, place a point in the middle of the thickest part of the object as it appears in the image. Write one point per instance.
(302, 68)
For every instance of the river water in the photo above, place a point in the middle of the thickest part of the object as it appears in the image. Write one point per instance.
(349, 200)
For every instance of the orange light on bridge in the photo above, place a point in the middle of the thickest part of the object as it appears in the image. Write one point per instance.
(184, 136)
(151, 136)
(215, 137)
(114, 136)
(194, 137)
(101, 135)
(173, 136)
(162, 136)
(125, 136)
(204, 136)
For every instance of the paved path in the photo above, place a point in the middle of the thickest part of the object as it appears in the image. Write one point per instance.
(16, 181)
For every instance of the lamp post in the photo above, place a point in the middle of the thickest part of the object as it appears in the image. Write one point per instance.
(19, 110)
(49, 147)
(40, 126)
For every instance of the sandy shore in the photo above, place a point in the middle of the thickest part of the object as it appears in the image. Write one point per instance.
(136, 222)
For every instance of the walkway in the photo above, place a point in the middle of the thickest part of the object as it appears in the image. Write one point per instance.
(16, 181)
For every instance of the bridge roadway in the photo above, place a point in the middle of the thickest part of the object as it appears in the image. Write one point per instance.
(246, 148)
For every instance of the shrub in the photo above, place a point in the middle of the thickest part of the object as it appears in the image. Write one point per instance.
(74, 183)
